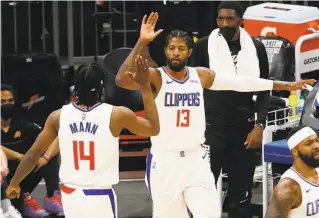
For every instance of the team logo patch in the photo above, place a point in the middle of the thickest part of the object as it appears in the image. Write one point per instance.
(17, 134)
(182, 153)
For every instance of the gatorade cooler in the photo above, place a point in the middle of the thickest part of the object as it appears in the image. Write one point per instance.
(290, 22)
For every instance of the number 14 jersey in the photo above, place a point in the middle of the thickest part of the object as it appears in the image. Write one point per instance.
(89, 151)
(180, 105)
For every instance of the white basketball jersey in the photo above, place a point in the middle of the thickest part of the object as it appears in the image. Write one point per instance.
(309, 207)
(180, 105)
(89, 151)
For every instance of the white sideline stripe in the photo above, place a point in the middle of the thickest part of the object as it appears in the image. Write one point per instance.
(121, 180)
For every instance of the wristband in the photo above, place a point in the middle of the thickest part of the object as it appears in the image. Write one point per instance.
(45, 158)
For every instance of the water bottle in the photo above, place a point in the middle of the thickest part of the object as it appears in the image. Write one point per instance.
(301, 103)
(293, 104)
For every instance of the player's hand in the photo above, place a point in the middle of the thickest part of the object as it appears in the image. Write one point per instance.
(13, 191)
(41, 162)
(147, 33)
(254, 138)
(300, 84)
(4, 172)
(293, 86)
(142, 74)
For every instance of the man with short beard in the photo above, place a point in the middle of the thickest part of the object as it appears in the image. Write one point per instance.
(297, 193)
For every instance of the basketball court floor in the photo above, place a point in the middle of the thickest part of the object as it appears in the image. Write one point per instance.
(133, 198)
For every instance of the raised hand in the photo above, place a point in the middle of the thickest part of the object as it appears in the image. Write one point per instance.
(147, 33)
(142, 74)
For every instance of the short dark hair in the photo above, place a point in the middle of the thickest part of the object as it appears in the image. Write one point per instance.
(180, 34)
(235, 5)
(88, 84)
(295, 129)
(6, 87)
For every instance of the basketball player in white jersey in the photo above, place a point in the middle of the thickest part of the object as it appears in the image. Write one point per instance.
(88, 133)
(177, 176)
(297, 193)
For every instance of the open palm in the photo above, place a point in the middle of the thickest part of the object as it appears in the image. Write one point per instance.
(147, 33)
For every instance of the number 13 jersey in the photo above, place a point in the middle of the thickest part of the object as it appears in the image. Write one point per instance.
(180, 105)
(89, 151)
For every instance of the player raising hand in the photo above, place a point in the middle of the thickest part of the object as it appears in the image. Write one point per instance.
(88, 133)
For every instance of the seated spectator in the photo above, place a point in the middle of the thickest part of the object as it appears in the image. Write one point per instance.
(6, 209)
(17, 136)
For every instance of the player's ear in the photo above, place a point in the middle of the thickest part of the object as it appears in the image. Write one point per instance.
(294, 152)
(241, 22)
(190, 51)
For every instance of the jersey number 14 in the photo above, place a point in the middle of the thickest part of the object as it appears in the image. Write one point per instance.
(183, 118)
(78, 153)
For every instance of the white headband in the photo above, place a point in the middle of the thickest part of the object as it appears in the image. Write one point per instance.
(296, 138)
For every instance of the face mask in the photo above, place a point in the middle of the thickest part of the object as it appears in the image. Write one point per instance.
(228, 32)
(7, 111)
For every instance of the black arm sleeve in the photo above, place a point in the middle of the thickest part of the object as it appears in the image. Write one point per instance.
(199, 56)
(263, 98)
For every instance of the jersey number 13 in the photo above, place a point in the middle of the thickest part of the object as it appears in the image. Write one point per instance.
(183, 118)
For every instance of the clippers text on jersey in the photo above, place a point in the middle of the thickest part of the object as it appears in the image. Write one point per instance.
(182, 99)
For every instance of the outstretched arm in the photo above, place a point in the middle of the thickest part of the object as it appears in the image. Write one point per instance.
(212, 81)
(125, 118)
(286, 196)
(146, 54)
(41, 144)
(124, 77)
(53, 149)
(148, 126)
(12, 155)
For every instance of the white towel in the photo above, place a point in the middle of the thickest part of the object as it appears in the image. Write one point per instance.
(221, 61)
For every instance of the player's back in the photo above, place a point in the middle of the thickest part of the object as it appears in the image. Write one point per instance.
(89, 151)
(180, 105)
(310, 196)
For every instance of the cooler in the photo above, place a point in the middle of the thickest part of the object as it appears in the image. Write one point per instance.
(290, 22)
(278, 152)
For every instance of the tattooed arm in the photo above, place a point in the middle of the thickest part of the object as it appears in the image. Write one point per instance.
(146, 54)
(286, 196)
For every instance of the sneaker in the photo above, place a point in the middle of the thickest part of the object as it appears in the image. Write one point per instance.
(32, 208)
(53, 205)
(12, 213)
